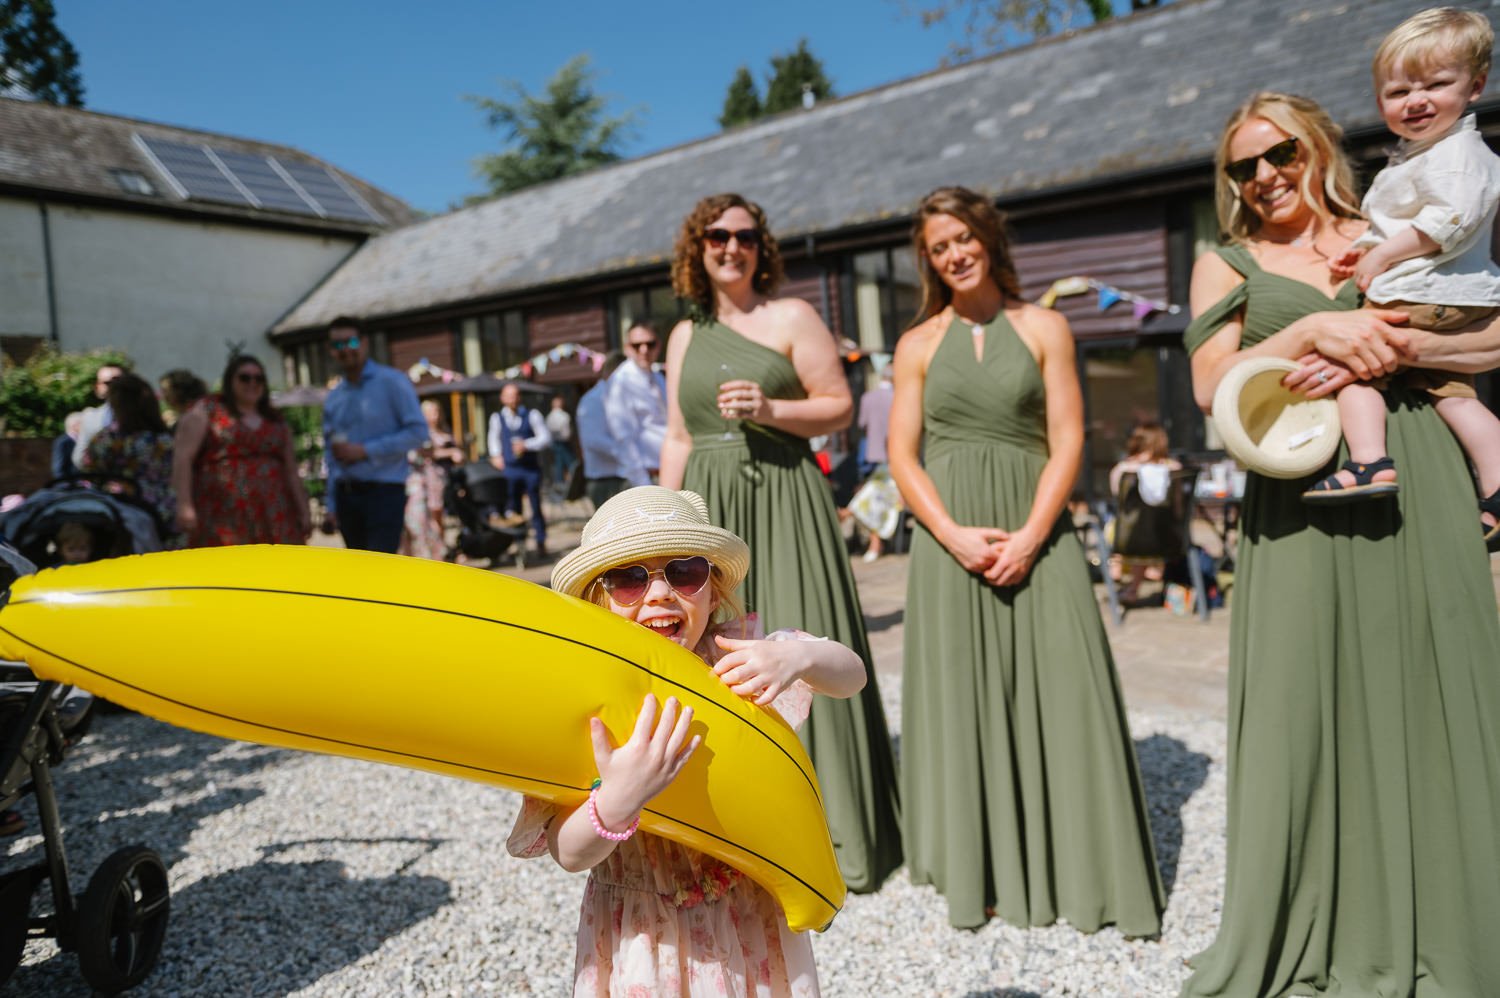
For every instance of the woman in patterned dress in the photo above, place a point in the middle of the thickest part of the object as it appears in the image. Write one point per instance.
(137, 446)
(235, 469)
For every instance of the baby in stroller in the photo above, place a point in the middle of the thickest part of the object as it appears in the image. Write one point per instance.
(73, 520)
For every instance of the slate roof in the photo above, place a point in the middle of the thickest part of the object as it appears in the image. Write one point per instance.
(1137, 95)
(71, 151)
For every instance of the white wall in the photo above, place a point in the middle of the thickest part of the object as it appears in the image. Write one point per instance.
(170, 292)
(23, 275)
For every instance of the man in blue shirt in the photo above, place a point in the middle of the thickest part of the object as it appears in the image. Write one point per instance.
(371, 419)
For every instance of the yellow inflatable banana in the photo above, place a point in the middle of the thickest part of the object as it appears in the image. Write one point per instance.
(432, 666)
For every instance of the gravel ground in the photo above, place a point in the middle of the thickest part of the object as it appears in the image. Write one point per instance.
(310, 875)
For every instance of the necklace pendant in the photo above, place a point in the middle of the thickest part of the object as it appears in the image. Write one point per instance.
(978, 329)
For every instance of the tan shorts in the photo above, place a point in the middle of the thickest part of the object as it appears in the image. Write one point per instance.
(1438, 319)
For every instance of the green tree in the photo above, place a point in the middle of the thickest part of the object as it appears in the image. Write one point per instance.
(36, 58)
(793, 74)
(561, 132)
(742, 102)
(991, 25)
(36, 396)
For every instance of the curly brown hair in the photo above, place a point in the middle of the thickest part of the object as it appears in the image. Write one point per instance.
(988, 226)
(690, 280)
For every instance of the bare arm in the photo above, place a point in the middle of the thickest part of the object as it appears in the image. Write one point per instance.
(678, 443)
(763, 669)
(1056, 356)
(814, 354)
(1474, 349)
(972, 547)
(187, 441)
(1363, 340)
(630, 776)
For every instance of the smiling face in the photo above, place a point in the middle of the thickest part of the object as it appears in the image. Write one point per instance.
(1275, 192)
(732, 262)
(681, 619)
(955, 253)
(248, 383)
(1423, 103)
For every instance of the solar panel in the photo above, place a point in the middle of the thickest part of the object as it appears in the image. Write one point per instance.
(193, 172)
(265, 185)
(327, 190)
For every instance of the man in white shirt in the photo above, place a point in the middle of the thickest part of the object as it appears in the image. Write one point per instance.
(602, 471)
(96, 417)
(517, 435)
(636, 405)
(560, 425)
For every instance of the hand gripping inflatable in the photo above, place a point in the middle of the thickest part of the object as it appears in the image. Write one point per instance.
(432, 666)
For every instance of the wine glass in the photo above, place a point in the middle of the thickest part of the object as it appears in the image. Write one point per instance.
(726, 374)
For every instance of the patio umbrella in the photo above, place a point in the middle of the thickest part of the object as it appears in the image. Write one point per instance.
(299, 395)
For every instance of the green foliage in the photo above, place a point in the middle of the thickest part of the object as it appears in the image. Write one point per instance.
(562, 132)
(35, 56)
(793, 74)
(992, 25)
(742, 102)
(37, 396)
(306, 425)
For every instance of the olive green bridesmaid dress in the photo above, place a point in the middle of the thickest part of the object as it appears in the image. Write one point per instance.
(764, 485)
(1019, 781)
(1364, 719)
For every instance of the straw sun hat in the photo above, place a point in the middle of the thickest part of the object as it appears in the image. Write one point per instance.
(1269, 429)
(649, 522)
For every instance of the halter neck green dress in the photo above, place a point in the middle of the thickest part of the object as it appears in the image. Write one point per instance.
(1364, 719)
(764, 485)
(1018, 777)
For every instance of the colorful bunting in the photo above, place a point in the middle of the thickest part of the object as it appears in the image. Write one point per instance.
(1108, 296)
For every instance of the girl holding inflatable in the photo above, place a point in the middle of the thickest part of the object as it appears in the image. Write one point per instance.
(657, 915)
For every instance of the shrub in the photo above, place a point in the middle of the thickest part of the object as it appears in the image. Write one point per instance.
(36, 397)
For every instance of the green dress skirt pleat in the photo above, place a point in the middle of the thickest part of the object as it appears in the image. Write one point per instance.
(1364, 721)
(1018, 776)
(765, 486)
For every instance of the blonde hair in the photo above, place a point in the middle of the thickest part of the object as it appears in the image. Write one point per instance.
(1433, 36)
(728, 600)
(1327, 184)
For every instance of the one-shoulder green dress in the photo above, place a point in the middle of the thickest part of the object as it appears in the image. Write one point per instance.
(1364, 719)
(1019, 781)
(764, 485)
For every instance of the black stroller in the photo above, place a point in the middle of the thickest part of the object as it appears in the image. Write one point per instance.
(117, 524)
(117, 925)
(471, 490)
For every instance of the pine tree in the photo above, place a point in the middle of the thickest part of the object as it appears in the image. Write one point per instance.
(791, 75)
(742, 101)
(560, 133)
(36, 58)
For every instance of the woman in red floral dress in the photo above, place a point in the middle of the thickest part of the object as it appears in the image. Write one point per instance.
(235, 469)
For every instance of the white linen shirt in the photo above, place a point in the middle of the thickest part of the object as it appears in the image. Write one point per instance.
(539, 439)
(1448, 190)
(636, 406)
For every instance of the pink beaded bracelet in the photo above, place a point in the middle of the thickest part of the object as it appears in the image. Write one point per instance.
(599, 829)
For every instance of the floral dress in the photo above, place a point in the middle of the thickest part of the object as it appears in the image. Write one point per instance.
(146, 459)
(660, 918)
(240, 489)
(422, 532)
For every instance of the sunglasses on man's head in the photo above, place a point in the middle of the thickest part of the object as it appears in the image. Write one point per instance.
(627, 584)
(747, 238)
(347, 343)
(1279, 155)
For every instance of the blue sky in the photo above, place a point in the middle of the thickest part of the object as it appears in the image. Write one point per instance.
(377, 87)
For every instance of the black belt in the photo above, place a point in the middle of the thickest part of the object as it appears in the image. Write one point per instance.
(355, 487)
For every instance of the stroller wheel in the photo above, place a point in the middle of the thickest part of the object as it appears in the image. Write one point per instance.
(122, 919)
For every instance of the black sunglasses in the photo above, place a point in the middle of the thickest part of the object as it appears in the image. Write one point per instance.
(642, 345)
(248, 378)
(747, 238)
(1279, 155)
(627, 585)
